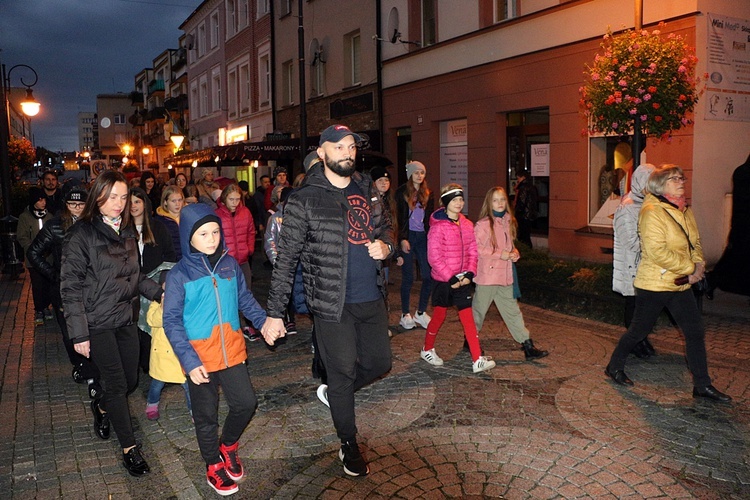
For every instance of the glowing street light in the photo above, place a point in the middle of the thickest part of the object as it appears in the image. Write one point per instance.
(30, 107)
(177, 140)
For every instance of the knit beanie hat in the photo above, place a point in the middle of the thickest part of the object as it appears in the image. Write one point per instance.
(380, 172)
(413, 166)
(204, 220)
(35, 194)
(279, 170)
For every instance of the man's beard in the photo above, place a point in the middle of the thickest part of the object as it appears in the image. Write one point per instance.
(340, 167)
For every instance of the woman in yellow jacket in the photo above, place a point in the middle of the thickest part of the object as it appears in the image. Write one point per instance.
(671, 261)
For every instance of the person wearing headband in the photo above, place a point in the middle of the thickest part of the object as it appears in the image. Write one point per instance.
(452, 252)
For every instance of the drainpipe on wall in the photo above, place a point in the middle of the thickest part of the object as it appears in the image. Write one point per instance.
(379, 70)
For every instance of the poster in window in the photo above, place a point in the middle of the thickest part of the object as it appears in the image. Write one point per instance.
(540, 160)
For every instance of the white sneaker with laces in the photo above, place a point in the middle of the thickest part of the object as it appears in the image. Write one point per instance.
(422, 319)
(407, 322)
(483, 363)
(431, 357)
(323, 394)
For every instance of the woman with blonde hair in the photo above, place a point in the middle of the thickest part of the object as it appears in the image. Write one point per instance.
(671, 261)
(415, 206)
(168, 213)
(496, 279)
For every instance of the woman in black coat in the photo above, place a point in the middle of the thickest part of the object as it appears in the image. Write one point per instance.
(49, 241)
(154, 248)
(100, 279)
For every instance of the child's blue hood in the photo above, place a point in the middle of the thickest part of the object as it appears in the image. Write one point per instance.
(189, 216)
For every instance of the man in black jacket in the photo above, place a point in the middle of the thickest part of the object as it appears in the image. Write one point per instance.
(349, 236)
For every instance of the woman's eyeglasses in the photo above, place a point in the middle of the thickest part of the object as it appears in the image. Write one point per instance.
(76, 205)
(677, 178)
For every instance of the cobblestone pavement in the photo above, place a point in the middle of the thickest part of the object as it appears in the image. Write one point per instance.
(547, 429)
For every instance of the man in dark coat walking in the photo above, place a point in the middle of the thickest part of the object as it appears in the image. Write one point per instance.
(732, 272)
(335, 225)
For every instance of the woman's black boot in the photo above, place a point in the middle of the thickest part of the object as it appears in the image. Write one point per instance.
(101, 420)
(532, 352)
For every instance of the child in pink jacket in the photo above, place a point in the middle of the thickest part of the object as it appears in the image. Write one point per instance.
(452, 253)
(495, 279)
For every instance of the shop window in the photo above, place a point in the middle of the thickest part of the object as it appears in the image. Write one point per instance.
(527, 136)
(610, 163)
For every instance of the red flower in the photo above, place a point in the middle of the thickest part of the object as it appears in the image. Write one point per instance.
(656, 105)
(657, 118)
(652, 89)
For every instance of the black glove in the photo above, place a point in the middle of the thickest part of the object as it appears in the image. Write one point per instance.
(453, 280)
(469, 275)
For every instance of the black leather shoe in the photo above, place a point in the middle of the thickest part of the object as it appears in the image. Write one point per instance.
(618, 376)
(711, 392)
(134, 462)
(101, 420)
(78, 377)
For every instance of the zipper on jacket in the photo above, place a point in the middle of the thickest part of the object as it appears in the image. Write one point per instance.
(218, 306)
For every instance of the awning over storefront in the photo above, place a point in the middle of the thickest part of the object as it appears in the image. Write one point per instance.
(280, 150)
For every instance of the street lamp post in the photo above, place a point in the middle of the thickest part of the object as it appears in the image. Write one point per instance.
(30, 107)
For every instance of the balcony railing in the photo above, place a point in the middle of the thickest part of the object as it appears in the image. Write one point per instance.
(155, 86)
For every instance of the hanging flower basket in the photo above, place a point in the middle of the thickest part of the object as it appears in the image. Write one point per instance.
(642, 79)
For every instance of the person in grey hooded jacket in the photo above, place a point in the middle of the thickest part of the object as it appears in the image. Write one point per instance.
(627, 248)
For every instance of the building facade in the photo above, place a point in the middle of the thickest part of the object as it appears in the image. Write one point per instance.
(115, 130)
(477, 90)
(340, 64)
(87, 127)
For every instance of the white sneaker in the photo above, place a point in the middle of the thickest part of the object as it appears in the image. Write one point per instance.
(323, 394)
(407, 322)
(483, 363)
(422, 319)
(431, 357)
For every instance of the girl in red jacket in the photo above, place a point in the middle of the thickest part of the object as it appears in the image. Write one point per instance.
(452, 253)
(496, 278)
(239, 235)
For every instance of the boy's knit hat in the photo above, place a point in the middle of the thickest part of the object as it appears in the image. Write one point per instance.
(204, 220)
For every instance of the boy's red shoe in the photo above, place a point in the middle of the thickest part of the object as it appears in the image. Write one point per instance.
(218, 478)
(231, 458)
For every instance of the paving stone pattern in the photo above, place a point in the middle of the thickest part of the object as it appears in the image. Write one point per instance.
(555, 428)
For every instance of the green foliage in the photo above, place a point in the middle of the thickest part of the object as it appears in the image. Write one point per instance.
(572, 287)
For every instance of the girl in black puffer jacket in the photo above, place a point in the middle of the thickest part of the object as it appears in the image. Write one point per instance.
(49, 241)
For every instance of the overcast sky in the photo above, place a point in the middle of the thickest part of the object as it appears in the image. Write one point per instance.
(81, 48)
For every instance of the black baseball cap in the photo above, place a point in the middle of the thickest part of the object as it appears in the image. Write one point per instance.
(335, 133)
